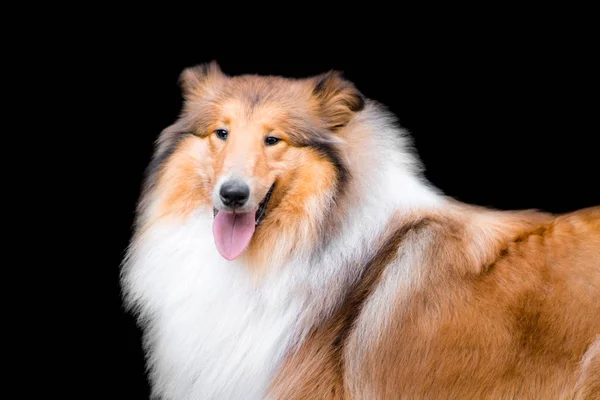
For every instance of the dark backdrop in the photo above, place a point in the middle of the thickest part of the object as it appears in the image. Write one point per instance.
(506, 121)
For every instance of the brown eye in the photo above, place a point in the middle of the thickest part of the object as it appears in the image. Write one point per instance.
(271, 140)
(221, 134)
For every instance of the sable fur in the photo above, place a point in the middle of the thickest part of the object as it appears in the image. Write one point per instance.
(524, 325)
(362, 281)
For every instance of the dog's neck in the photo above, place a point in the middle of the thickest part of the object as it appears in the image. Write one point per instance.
(385, 180)
(385, 185)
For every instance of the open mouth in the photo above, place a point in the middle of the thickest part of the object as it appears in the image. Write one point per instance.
(233, 231)
(262, 207)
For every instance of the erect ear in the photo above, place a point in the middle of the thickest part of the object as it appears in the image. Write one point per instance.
(199, 80)
(338, 98)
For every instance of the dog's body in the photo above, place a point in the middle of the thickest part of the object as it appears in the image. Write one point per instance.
(359, 280)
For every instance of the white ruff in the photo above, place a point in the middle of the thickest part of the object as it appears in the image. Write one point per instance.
(213, 330)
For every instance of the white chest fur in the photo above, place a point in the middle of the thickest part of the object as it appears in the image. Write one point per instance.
(212, 330)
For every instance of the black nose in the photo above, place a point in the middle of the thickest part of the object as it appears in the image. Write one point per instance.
(234, 193)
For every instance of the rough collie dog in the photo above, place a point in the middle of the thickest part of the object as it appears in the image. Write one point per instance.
(288, 247)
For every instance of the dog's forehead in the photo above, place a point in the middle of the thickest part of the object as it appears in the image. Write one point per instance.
(256, 90)
(259, 98)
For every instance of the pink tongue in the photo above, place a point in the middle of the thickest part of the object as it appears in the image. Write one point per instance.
(233, 232)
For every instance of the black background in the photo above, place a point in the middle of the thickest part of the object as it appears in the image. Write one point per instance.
(505, 119)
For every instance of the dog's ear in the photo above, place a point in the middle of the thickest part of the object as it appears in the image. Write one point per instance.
(201, 79)
(337, 98)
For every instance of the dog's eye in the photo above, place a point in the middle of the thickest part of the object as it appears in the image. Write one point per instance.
(221, 134)
(271, 140)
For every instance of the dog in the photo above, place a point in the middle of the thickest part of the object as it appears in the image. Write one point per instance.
(287, 246)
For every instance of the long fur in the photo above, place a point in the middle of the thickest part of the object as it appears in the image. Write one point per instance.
(363, 281)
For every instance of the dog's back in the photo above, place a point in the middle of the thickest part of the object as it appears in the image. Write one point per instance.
(519, 317)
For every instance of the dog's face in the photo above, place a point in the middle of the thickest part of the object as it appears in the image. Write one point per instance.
(257, 150)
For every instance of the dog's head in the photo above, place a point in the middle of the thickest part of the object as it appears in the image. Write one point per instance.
(262, 152)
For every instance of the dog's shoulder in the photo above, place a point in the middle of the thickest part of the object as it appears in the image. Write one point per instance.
(477, 299)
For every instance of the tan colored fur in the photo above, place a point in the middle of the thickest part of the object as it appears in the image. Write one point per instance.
(508, 307)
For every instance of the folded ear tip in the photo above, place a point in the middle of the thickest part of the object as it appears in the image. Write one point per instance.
(325, 79)
(185, 76)
(193, 77)
(338, 97)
